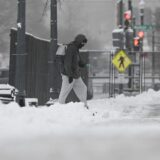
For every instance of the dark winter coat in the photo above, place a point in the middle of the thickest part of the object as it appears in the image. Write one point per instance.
(72, 61)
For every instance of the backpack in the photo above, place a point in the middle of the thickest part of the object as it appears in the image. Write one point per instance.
(60, 53)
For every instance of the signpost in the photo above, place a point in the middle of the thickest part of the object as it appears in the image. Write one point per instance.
(121, 61)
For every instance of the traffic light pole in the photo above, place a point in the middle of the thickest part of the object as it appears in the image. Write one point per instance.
(120, 24)
(20, 75)
(129, 45)
(142, 23)
(141, 48)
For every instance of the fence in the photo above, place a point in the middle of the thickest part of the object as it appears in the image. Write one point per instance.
(142, 74)
(37, 67)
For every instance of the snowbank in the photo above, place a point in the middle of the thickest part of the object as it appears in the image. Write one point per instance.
(127, 126)
(16, 121)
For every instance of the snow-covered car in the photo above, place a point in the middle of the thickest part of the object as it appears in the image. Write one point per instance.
(7, 93)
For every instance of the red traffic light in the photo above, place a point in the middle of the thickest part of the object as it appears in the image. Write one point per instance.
(127, 15)
(141, 34)
(136, 41)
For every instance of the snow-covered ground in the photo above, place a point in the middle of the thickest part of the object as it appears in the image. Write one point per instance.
(121, 128)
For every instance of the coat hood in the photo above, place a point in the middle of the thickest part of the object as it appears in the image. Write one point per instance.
(79, 39)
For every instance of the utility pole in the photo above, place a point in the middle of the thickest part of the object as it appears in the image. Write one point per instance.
(20, 75)
(52, 51)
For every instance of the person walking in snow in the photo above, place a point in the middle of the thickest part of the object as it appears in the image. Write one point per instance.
(71, 76)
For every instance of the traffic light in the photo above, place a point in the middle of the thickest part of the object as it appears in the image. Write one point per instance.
(141, 34)
(127, 15)
(127, 19)
(136, 43)
(118, 38)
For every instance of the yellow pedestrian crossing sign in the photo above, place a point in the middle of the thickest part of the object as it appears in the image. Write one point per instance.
(121, 61)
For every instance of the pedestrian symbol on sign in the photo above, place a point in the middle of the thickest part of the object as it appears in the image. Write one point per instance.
(121, 61)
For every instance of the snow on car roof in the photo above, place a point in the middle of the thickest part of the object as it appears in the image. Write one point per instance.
(6, 87)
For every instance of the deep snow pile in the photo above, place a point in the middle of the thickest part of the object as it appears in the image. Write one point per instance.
(126, 128)
(16, 121)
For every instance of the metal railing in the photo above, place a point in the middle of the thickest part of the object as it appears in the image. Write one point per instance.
(145, 73)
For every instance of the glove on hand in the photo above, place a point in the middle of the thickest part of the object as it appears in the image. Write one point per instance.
(70, 79)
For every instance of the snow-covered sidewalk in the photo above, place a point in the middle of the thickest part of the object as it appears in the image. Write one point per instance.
(117, 128)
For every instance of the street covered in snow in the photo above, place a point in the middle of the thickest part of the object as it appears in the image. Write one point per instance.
(120, 128)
